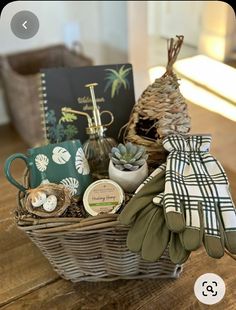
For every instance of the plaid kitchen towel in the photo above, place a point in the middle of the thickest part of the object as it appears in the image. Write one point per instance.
(197, 200)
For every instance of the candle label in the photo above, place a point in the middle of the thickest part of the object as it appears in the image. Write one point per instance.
(104, 197)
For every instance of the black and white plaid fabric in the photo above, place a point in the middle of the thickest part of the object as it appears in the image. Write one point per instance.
(158, 199)
(195, 178)
(151, 176)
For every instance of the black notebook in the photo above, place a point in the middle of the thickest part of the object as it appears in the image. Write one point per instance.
(65, 87)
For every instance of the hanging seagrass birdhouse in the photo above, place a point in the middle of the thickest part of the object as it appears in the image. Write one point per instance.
(160, 111)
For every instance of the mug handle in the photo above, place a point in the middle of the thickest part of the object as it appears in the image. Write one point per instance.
(7, 169)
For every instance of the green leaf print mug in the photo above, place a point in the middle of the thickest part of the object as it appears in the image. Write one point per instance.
(60, 163)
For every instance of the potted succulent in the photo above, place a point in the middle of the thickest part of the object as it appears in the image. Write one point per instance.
(128, 166)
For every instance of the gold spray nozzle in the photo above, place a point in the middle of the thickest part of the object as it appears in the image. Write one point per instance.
(95, 125)
(96, 113)
(91, 85)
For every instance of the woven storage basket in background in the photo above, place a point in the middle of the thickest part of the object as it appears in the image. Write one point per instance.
(20, 77)
(91, 249)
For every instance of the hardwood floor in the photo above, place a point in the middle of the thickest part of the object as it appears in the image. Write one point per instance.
(28, 281)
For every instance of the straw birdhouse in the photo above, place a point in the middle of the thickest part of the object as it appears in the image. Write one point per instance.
(160, 111)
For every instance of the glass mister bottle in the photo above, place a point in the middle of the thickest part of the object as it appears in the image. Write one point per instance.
(98, 146)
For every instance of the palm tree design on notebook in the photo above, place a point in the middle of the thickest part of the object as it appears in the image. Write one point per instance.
(117, 79)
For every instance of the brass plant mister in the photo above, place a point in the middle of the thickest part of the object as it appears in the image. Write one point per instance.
(98, 146)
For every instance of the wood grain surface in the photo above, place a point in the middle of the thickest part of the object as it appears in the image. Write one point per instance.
(28, 281)
(22, 266)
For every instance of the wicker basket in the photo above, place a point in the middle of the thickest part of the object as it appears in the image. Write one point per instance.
(20, 78)
(91, 249)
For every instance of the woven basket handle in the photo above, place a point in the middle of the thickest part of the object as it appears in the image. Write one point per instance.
(77, 48)
(4, 64)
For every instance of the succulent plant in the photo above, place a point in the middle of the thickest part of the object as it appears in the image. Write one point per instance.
(128, 157)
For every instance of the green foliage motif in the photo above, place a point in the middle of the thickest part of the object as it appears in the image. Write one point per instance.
(67, 117)
(117, 79)
(70, 131)
(59, 132)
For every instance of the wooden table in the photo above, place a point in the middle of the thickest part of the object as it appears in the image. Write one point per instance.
(28, 281)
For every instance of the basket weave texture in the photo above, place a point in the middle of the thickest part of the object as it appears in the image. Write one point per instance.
(160, 111)
(91, 249)
(20, 76)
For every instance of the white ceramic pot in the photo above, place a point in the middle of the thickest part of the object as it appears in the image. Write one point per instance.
(128, 180)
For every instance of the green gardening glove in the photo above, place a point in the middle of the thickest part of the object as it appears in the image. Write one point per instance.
(150, 236)
(148, 233)
(197, 199)
(152, 186)
(178, 254)
(140, 212)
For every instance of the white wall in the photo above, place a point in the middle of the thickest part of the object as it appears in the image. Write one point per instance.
(114, 30)
(154, 17)
(102, 24)
(168, 18)
(88, 15)
(138, 43)
(52, 15)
